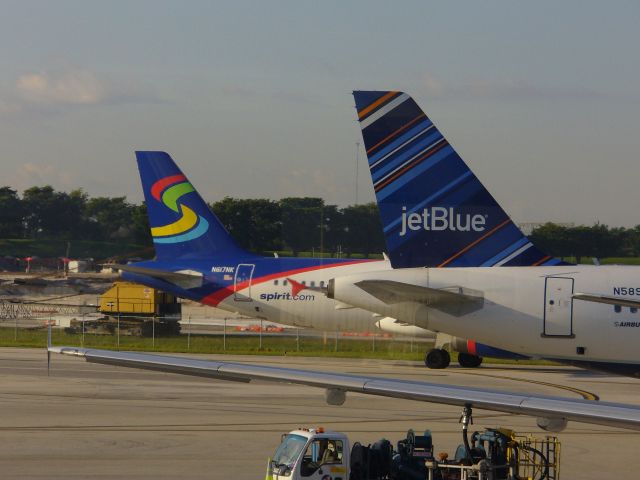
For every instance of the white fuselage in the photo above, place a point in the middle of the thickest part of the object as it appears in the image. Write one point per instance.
(528, 310)
(273, 300)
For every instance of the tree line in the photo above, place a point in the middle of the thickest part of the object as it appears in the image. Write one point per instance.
(579, 242)
(298, 224)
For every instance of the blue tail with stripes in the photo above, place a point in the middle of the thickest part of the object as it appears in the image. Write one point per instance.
(182, 225)
(434, 210)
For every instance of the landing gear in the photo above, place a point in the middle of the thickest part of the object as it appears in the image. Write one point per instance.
(437, 358)
(467, 360)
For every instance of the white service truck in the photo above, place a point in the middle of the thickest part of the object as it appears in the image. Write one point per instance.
(493, 454)
(311, 453)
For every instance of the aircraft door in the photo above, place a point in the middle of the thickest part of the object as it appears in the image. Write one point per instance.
(242, 281)
(558, 307)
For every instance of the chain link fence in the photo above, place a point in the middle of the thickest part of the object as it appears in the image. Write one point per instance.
(27, 328)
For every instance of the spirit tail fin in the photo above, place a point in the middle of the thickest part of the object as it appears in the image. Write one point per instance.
(182, 224)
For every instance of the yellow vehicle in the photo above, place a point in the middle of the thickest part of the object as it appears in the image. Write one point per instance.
(133, 309)
(128, 298)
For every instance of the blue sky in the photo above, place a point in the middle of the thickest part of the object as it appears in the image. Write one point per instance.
(253, 98)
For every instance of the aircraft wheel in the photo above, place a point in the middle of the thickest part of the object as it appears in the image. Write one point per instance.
(467, 360)
(437, 358)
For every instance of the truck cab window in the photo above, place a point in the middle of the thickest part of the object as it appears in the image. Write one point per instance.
(321, 452)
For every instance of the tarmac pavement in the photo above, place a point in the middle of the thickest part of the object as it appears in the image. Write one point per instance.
(103, 422)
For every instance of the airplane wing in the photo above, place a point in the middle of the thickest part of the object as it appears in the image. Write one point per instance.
(608, 299)
(182, 279)
(549, 410)
(455, 301)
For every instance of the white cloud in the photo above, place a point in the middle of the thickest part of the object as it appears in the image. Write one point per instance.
(73, 87)
(45, 92)
(30, 174)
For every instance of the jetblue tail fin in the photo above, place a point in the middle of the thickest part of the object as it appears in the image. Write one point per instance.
(434, 210)
(182, 225)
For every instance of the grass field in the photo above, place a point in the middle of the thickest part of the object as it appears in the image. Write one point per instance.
(234, 344)
(237, 345)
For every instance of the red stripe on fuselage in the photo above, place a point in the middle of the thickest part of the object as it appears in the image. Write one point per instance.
(216, 297)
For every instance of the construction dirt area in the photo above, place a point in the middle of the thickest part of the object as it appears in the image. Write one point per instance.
(35, 299)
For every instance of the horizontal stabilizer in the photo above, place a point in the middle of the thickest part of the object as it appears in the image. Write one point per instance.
(181, 279)
(455, 300)
(609, 300)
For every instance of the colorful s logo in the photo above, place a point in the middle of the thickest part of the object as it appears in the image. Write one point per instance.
(190, 225)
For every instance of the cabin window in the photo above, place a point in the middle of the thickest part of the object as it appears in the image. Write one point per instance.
(617, 308)
(275, 282)
(313, 284)
(322, 283)
(304, 282)
(284, 282)
(633, 310)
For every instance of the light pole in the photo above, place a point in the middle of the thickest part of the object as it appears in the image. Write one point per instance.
(357, 161)
(321, 231)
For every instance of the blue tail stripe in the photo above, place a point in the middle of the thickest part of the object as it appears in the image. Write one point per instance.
(421, 127)
(469, 191)
(553, 261)
(487, 248)
(410, 153)
(506, 252)
(396, 223)
(418, 169)
(377, 132)
(530, 256)
(411, 183)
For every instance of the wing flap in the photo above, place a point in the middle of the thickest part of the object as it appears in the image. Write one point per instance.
(453, 300)
(610, 414)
